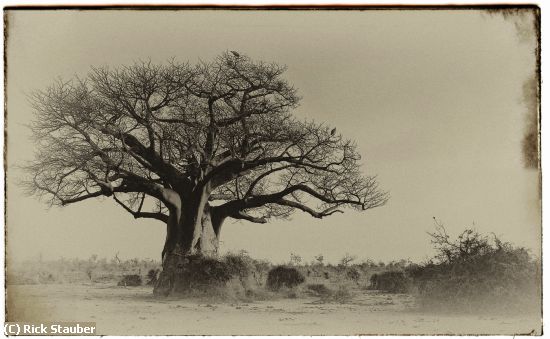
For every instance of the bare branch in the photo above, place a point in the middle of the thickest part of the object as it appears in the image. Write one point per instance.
(138, 214)
(312, 212)
(248, 217)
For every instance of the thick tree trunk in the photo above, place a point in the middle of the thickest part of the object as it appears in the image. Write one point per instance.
(188, 234)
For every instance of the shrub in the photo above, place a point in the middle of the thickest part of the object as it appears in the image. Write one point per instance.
(490, 281)
(390, 281)
(239, 265)
(196, 272)
(353, 274)
(319, 259)
(347, 259)
(130, 280)
(475, 273)
(261, 267)
(295, 259)
(282, 276)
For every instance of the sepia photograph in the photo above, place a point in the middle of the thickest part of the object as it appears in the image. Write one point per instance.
(297, 171)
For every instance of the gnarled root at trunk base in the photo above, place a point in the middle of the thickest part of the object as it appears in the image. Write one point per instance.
(183, 273)
(172, 268)
(190, 245)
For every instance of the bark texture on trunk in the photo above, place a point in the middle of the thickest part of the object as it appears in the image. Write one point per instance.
(188, 234)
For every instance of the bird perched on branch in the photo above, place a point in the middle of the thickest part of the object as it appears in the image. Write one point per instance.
(235, 54)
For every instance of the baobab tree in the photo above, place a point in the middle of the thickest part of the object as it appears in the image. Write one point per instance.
(191, 146)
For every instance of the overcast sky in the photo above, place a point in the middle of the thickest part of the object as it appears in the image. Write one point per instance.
(433, 99)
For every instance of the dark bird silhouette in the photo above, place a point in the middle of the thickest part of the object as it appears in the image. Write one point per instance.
(333, 132)
(235, 54)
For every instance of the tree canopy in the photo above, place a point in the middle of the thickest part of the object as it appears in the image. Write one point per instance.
(154, 137)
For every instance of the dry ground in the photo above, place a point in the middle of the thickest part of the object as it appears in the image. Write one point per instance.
(134, 311)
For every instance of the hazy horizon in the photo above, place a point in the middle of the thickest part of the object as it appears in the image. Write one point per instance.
(434, 100)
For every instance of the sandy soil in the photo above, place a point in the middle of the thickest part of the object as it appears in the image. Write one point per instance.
(134, 311)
